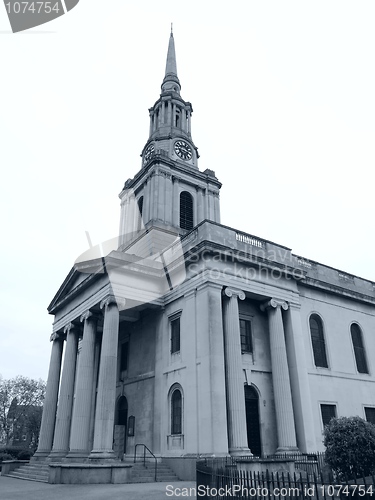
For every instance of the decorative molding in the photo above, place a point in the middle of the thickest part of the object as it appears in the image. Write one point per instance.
(274, 304)
(55, 336)
(234, 292)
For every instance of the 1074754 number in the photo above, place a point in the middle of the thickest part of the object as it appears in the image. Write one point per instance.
(348, 491)
(32, 7)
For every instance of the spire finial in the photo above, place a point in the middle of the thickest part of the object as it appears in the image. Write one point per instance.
(171, 81)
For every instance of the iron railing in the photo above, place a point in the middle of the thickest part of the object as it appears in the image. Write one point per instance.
(219, 478)
(144, 456)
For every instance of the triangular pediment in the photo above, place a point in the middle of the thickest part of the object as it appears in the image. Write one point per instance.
(72, 284)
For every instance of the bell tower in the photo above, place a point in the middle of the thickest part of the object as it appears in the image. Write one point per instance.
(169, 192)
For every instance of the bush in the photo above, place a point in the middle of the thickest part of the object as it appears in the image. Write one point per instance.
(4, 457)
(15, 452)
(24, 455)
(350, 446)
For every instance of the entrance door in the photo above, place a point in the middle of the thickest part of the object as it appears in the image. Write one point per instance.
(252, 420)
(122, 416)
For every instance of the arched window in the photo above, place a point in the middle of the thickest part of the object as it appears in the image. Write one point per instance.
(186, 211)
(318, 342)
(359, 350)
(176, 412)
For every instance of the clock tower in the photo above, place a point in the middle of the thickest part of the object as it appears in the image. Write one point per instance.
(169, 193)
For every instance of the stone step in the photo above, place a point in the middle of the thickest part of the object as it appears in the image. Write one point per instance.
(28, 477)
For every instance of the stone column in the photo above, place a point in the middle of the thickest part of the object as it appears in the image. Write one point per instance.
(301, 397)
(189, 123)
(173, 115)
(176, 203)
(162, 112)
(80, 432)
(169, 113)
(217, 207)
(200, 203)
(280, 378)
(65, 406)
(47, 427)
(105, 403)
(237, 430)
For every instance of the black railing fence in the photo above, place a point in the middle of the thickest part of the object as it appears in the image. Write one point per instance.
(222, 478)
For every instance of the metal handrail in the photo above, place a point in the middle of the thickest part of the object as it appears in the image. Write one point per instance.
(144, 456)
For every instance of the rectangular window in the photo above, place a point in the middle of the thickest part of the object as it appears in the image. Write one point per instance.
(370, 414)
(246, 340)
(124, 356)
(328, 412)
(175, 335)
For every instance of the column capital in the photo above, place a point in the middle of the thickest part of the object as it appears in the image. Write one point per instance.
(55, 336)
(69, 328)
(274, 304)
(111, 299)
(234, 292)
(88, 315)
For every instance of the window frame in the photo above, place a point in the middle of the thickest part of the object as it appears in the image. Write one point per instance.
(173, 390)
(314, 315)
(368, 407)
(188, 224)
(327, 403)
(362, 349)
(250, 335)
(175, 317)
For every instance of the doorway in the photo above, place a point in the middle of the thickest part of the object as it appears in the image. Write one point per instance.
(122, 417)
(252, 420)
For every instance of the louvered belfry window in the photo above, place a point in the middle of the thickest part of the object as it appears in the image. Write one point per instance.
(359, 350)
(186, 211)
(318, 342)
(176, 412)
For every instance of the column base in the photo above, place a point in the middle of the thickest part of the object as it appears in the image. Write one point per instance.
(240, 452)
(58, 455)
(100, 455)
(287, 450)
(80, 456)
(40, 456)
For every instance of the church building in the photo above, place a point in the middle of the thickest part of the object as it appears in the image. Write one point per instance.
(194, 338)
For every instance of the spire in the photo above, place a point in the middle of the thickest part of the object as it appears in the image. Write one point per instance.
(171, 81)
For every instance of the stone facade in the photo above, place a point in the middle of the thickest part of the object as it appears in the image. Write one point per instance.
(194, 338)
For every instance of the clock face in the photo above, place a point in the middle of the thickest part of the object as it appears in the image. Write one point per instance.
(148, 153)
(183, 150)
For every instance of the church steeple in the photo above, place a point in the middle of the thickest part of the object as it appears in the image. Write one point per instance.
(170, 119)
(169, 193)
(171, 81)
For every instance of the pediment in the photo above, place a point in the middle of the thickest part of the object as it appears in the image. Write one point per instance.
(74, 282)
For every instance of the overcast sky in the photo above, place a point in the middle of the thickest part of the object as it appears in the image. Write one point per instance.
(284, 112)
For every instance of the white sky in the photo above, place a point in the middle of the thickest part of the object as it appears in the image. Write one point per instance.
(284, 112)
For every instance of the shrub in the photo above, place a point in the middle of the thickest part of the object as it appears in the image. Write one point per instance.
(5, 456)
(24, 455)
(350, 446)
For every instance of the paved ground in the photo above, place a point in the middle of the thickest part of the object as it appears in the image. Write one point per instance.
(18, 489)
